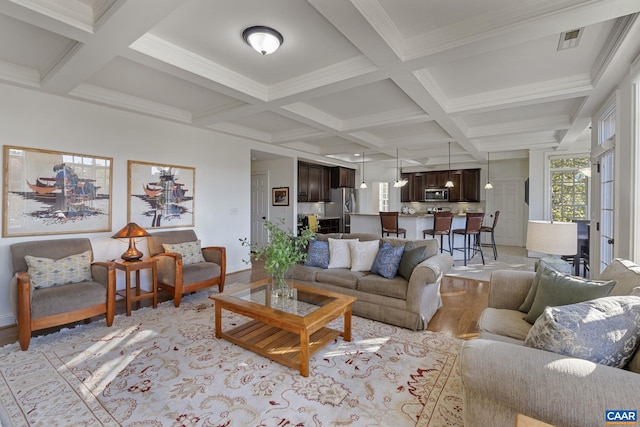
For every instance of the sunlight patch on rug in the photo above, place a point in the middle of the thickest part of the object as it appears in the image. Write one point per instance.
(165, 367)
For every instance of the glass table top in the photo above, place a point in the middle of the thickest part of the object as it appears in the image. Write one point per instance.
(301, 303)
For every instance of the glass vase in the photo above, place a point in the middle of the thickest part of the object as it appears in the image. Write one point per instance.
(279, 286)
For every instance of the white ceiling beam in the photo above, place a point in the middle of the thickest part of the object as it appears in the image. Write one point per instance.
(129, 22)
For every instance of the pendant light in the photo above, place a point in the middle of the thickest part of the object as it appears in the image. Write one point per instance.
(363, 185)
(488, 185)
(399, 183)
(449, 183)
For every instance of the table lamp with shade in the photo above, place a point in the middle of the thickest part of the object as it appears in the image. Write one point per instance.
(553, 239)
(131, 231)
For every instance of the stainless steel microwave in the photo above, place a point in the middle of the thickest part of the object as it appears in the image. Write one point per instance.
(436, 194)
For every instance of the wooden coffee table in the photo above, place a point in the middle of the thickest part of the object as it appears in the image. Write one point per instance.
(288, 330)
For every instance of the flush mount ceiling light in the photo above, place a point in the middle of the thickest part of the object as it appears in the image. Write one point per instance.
(449, 183)
(363, 185)
(263, 39)
(488, 185)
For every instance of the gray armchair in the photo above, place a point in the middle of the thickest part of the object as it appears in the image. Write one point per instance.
(43, 307)
(178, 278)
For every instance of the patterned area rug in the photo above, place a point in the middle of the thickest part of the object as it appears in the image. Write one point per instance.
(164, 367)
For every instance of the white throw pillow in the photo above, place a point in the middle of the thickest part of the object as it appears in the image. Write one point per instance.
(340, 253)
(363, 254)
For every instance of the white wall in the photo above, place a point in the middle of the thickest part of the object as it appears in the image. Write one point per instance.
(222, 197)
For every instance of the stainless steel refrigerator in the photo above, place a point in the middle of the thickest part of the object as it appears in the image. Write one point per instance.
(343, 202)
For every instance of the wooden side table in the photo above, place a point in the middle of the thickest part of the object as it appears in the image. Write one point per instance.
(128, 293)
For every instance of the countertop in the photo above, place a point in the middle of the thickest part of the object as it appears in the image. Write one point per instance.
(415, 215)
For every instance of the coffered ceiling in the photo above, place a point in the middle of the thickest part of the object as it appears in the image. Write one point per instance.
(352, 76)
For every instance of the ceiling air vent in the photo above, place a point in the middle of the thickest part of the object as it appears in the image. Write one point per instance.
(569, 39)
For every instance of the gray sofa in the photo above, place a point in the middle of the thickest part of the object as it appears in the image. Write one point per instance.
(501, 377)
(405, 303)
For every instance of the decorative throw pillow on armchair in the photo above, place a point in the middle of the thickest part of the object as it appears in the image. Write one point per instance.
(604, 330)
(556, 289)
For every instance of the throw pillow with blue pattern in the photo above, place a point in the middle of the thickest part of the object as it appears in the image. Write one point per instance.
(604, 330)
(387, 260)
(317, 254)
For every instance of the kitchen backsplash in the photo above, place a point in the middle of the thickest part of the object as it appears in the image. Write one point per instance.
(311, 208)
(421, 207)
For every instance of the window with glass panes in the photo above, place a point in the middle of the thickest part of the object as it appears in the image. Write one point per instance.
(569, 188)
(383, 197)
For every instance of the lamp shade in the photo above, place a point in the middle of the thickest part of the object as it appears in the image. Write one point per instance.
(553, 238)
(131, 231)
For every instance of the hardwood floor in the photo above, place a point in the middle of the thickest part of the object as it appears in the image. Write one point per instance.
(463, 300)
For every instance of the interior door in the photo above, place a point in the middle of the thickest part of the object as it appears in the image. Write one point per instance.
(259, 209)
(507, 197)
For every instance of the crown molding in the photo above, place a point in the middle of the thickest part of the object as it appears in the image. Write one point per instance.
(354, 67)
(172, 54)
(241, 131)
(24, 76)
(115, 99)
(611, 47)
(73, 13)
(295, 134)
(305, 110)
(529, 125)
(387, 118)
(568, 87)
(378, 18)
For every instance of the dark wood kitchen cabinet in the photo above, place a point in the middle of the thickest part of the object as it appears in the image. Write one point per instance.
(325, 184)
(466, 186)
(417, 187)
(314, 183)
(406, 192)
(471, 185)
(343, 177)
(436, 179)
(303, 182)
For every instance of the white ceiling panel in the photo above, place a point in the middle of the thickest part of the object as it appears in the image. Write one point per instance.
(125, 76)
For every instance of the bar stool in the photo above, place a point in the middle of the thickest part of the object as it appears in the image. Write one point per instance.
(389, 223)
(471, 228)
(492, 229)
(441, 227)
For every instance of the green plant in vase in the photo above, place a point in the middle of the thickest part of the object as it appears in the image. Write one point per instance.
(282, 252)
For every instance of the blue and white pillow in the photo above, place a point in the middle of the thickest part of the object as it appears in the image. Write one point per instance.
(604, 330)
(317, 254)
(387, 260)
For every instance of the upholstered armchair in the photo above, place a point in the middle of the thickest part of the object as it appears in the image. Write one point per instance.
(183, 266)
(56, 282)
